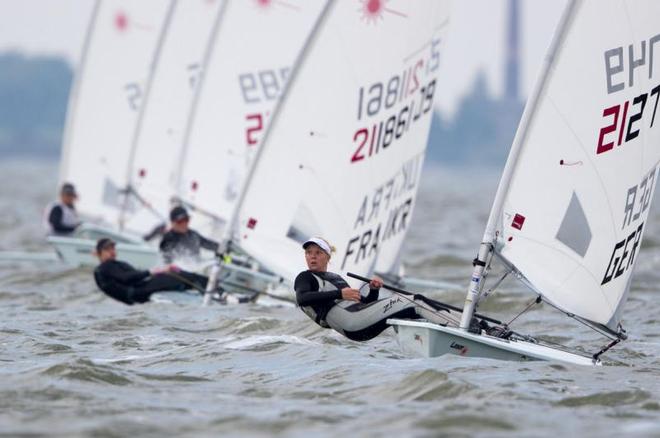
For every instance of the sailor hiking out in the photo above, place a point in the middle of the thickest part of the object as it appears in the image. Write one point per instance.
(124, 283)
(181, 241)
(331, 303)
(61, 217)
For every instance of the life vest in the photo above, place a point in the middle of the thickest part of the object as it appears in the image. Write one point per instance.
(69, 216)
(324, 286)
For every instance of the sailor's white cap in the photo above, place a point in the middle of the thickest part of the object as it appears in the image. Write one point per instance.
(320, 242)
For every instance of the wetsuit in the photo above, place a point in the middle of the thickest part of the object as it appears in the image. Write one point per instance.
(124, 283)
(62, 219)
(185, 244)
(319, 295)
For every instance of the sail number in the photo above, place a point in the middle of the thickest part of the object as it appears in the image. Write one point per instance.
(256, 122)
(615, 64)
(133, 95)
(404, 98)
(380, 96)
(370, 140)
(623, 120)
(263, 86)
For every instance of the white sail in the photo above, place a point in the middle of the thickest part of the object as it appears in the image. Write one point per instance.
(343, 154)
(250, 57)
(108, 93)
(579, 181)
(159, 137)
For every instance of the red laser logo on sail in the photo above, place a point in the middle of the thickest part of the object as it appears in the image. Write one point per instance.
(121, 21)
(265, 4)
(372, 10)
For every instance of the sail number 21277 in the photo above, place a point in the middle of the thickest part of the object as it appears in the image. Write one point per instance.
(624, 120)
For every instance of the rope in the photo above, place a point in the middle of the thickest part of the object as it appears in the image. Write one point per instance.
(185, 281)
(537, 300)
(203, 291)
(130, 190)
(584, 323)
(485, 296)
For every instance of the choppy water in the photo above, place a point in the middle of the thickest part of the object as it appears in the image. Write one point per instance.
(73, 363)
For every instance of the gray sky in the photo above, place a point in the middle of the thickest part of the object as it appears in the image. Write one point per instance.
(475, 40)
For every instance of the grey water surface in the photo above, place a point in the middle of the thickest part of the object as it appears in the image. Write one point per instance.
(74, 363)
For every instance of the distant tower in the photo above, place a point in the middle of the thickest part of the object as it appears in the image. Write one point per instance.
(513, 52)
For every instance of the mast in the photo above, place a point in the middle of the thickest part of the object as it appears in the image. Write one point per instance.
(233, 223)
(197, 92)
(73, 96)
(143, 106)
(487, 243)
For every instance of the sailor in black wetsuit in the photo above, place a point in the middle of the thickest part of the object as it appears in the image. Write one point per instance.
(330, 302)
(61, 217)
(181, 241)
(124, 283)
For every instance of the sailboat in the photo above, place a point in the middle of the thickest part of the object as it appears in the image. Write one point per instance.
(247, 67)
(194, 133)
(104, 105)
(570, 211)
(159, 135)
(342, 155)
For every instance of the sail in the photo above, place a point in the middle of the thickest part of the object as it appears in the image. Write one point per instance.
(583, 167)
(250, 58)
(343, 154)
(108, 93)
(160, 132)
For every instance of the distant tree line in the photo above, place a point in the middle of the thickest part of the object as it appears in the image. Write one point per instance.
(33, 99)
(34, 94)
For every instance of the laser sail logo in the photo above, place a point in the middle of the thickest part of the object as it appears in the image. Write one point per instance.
(373, 11)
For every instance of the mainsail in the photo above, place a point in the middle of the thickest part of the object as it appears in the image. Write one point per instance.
(159, 136)
(343, 154)
(249, 61)
(575, 195)
(106, 100)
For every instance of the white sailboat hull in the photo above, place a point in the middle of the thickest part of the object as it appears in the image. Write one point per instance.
(426, 339)
(80, 252)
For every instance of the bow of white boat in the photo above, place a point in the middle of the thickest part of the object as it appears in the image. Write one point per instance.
(426, 339)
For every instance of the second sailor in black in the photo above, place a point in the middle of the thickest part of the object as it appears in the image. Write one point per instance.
(181, 241)
(124, 283)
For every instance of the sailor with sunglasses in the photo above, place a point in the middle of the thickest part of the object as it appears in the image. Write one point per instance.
(181, 241)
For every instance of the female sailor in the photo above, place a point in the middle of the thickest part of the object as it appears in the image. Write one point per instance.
(61, 217)
(330, 302)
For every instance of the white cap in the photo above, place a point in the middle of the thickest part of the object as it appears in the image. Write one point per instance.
(320, 242)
